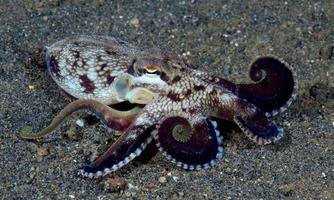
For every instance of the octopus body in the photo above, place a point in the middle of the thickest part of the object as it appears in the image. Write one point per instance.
(174, 105)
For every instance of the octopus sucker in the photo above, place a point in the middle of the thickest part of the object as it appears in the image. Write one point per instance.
(259, 128)
(190, 154)
(173, 106)
(92, 171)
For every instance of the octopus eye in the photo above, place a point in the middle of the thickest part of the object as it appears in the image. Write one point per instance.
(152, 69)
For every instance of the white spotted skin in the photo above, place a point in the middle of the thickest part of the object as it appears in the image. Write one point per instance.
(87, 68)
(95, 59)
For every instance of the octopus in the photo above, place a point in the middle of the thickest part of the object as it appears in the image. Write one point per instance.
(173, 106)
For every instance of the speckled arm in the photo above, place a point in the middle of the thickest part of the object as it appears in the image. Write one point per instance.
(259, 128)
(127, 147)
(118, 120)
(275, 88)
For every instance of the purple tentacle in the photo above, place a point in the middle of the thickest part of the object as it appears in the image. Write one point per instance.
(272, 93)
(127, 147)
(192, 144)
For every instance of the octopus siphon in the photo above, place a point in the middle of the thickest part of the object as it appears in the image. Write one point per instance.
(172, 105)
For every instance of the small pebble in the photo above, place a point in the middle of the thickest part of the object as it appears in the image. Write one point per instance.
(31, 87)
(326, 52)
(175, 178)
(115, 184)
(101, 2)
(228, 170)
(135, 22)
(26, 130)
(181, 194)
(72, 132)
(32, 174)
(150, 186)
(162, 179)
(127, 194)
(132, 187)
(42, 151)
(80, 123)
(328, 135)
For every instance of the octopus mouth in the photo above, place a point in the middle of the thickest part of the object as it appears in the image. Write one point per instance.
(126, 106)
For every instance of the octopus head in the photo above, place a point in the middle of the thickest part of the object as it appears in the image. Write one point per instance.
(150, 77)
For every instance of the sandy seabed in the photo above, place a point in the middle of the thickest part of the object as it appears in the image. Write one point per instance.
(221, 37)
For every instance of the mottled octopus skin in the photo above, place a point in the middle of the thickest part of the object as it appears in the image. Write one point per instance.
(178, 102)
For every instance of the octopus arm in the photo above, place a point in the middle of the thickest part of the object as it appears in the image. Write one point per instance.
(273, 93)
(127, 147)
(259, 128)
(118, 120)
(192, 142)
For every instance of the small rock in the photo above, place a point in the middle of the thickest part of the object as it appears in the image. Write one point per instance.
(162, 179)
(235, 149)
(327, 135)
(132, 187)
(228, 170)
(181, 194)
(72, 132)
(102, 2)
(288, 190)
(42, 151)
(150, 186)
(202, 172)
(115, 184)
(318, 91)
(135, 22)
(32, 174)
(26, 130)
(326, 52)
(323, 175)
(80, 123)
(127, 194)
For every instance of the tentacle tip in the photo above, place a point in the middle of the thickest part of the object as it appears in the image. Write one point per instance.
(28, 136)
(276, 138)
(279, 135)
(26, 132)
(87, 169)
(90, 172)
(23, 136)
